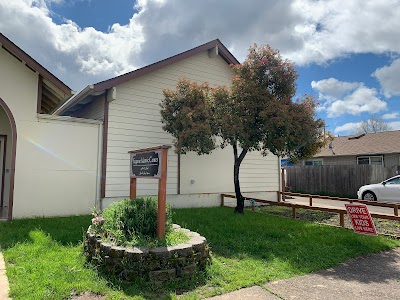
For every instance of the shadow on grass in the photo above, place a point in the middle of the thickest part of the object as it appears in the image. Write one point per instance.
(38, 235)
(64, 230)
(302, 214)
(303, 247)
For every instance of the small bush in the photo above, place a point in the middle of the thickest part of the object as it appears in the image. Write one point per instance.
(131, 222)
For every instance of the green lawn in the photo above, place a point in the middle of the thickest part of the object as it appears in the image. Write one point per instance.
(44, 256)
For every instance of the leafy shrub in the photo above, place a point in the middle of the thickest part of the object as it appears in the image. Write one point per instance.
(132, 222)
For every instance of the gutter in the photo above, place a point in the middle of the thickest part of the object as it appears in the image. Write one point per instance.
(73, 100)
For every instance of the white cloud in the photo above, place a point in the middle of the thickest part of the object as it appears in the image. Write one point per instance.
(306, 31)
(347, 128)
(394, 125)
(363, 99)
(389, 78)
(332, 89)
(78, 56)
(393, 115)
(339, 97)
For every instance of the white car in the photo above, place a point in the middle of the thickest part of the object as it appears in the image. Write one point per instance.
(386, 191)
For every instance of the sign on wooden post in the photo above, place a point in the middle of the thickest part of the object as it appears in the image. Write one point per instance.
(360, 218)
(151, 163)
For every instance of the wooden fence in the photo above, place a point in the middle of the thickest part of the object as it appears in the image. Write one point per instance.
(340, 180)
(339, 210)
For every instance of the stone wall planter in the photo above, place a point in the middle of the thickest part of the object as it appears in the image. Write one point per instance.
(155, 264)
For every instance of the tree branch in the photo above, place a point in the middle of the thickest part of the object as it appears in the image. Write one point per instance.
(242, 155)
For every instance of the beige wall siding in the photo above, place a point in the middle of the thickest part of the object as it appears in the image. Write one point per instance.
(93, 110)
(135, 122)
(340, 160)
(259, 173)
(56, 161)
(214, 173)
(391, 160)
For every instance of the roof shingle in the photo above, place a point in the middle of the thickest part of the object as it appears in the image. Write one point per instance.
(370, 143)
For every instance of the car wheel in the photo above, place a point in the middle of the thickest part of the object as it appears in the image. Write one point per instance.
(369, 196)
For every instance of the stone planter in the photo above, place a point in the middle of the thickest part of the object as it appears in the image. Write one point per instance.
(155, 264)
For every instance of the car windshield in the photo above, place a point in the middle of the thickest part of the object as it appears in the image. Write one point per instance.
(395, 180)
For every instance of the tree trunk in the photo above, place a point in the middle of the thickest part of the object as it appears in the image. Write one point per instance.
(239, 197)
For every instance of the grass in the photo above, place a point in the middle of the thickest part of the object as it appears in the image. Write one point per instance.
(388, 227)
(44, 260)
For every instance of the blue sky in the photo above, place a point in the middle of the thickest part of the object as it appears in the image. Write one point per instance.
(346, 55)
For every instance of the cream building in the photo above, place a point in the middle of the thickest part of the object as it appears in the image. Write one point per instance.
(63, 154)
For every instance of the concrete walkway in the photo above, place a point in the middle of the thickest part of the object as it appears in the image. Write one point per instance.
(4, 287)
(372, 277)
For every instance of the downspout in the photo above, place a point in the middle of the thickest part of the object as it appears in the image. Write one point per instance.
(98, 203)
(104, 146)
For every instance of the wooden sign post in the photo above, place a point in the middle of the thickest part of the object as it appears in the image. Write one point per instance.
(151, 163)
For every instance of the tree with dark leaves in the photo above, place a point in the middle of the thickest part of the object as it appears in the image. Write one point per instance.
(256, 113)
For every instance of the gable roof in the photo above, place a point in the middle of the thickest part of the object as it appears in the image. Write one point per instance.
(102, 86)
(32, 64)
(363, 144)
(51, 90)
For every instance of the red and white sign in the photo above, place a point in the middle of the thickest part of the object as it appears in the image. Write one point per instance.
(360, 219)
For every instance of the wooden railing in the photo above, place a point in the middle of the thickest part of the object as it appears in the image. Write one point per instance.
(340, 211)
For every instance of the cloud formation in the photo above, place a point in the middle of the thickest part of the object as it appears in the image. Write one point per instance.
(339, 97)
(347, 128)
(306, 31)
(389, 78)
(390, 116)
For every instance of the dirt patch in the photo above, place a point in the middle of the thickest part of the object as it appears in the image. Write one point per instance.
(88, 296)
(386, 227)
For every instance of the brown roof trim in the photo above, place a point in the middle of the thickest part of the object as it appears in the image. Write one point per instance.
(33, 64)
(222, 50)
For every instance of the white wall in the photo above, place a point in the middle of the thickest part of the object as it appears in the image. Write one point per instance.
(135, 123)
(56, 168)
(56, 161)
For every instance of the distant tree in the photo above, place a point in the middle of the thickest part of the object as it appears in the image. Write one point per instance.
(373, 124)
(256, 114)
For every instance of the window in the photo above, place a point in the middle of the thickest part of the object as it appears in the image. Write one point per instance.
(370, 160)
(393, 181)
(313, 163)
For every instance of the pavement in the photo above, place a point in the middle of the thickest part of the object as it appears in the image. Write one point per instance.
(373, 277)
(4, 287)
(369, 278)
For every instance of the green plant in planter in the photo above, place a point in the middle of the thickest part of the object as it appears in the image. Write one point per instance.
(132, 222)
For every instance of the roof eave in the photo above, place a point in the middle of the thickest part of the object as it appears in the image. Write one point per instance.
(223, 52)
(33, 64)
(74, 99)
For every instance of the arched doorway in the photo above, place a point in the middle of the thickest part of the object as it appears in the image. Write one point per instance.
(8, 146)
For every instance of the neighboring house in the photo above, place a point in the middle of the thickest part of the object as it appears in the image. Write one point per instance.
(129, 107)
(48, 164)
(380, 148)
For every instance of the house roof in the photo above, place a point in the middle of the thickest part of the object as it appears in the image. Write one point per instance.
(51, 90)
(363, 144)
(102, 86)
(32, 64)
